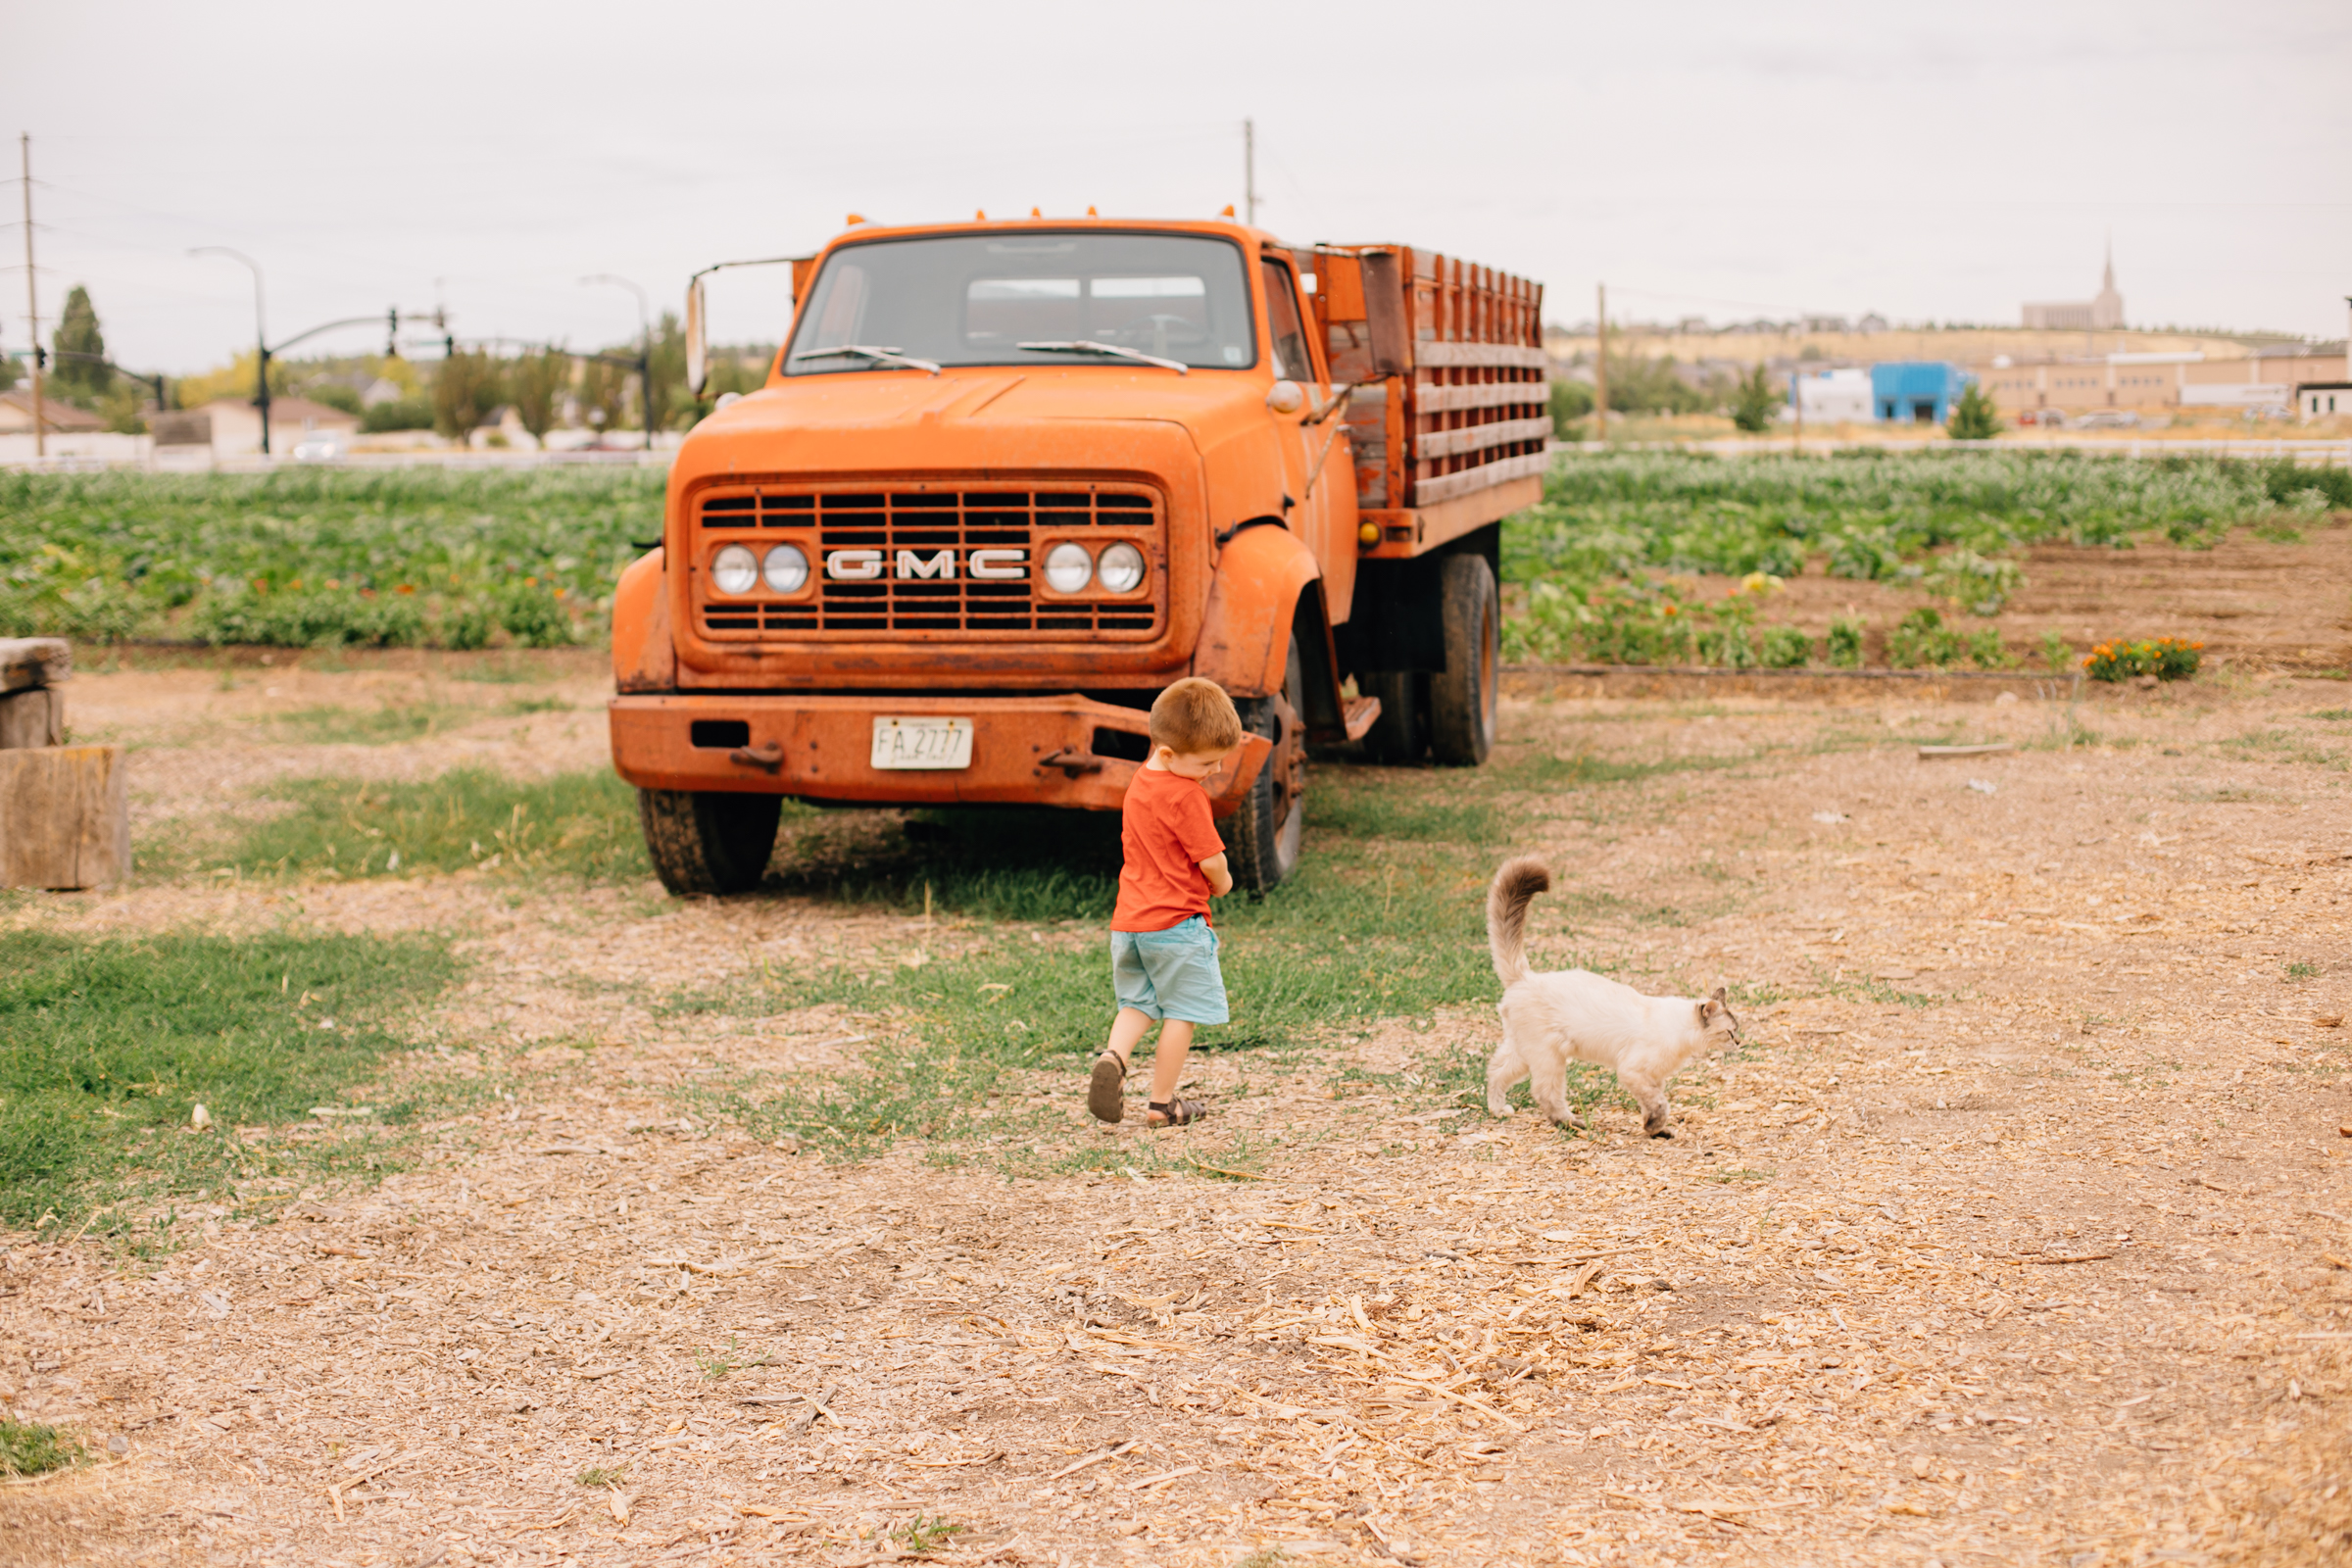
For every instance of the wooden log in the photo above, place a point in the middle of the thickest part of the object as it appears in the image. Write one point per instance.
(36, 718)
(65, 817)
(27, 661)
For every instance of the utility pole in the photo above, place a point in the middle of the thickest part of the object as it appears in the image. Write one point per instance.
(32, 299)
(1248, 173)
(1600, 366)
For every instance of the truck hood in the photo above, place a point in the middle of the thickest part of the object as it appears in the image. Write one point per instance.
(1054, 417)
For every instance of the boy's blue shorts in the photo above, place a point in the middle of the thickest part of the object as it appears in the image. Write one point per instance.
(1171, 973)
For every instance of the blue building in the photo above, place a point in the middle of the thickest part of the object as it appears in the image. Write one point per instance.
(1916, 391)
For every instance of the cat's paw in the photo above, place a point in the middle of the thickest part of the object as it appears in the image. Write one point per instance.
(1660, 1132)
(1498, 1108)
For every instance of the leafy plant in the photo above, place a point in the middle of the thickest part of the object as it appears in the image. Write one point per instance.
(1921, 639)
(599, 1477)
(1571, 405)
(1974, 415)
(926, 1534)
(1786, 647)
(2165, 657)
(397, 414)
(1757, 401)
(2056, 653)
(1842, 648)
(1978, 584)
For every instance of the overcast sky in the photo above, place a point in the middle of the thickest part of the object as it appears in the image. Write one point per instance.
(1722, 160)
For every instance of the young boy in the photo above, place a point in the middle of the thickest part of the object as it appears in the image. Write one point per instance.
(1163, 955)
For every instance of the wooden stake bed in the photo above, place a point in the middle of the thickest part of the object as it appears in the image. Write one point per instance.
(1451, 420)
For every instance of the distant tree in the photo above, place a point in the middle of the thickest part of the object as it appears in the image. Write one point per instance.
(538, 381)
(1755, 400)
(666, 397)
(602, 395)
(1571, 405)
(1973, 416)
(1646, 385)
(332, 395)
(80, 373)
(7, 371)
(465, 391)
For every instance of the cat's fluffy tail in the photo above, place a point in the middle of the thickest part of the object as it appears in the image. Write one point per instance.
(1515, 888)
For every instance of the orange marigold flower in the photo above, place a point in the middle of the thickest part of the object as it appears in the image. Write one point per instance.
(406, 588)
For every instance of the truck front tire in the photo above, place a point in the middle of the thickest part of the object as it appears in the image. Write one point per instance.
(709, 843)
(1461, 696)
(1266, 832)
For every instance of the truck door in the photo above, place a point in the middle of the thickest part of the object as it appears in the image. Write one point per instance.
(1318, 470)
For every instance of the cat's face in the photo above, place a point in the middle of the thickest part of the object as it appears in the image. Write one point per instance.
(1721, 1024)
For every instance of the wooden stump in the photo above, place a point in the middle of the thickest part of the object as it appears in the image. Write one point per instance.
(32, 719)
(34, 662)
(65, 817)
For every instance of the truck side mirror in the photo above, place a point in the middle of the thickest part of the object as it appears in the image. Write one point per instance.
(698, 353)
(1384, 313)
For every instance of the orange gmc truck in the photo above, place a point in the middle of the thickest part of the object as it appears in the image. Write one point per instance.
(1008, 480)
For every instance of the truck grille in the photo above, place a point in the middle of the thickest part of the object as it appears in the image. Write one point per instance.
(927, 522)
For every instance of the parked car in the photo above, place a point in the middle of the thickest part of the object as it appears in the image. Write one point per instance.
(2108, 419)
(321, 446)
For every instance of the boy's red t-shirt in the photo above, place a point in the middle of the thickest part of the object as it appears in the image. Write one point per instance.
(1166, 832)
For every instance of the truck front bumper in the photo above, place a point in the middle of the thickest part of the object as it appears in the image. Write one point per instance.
(1029, 751)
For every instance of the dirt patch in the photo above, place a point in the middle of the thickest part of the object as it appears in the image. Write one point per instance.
(2016, 1232)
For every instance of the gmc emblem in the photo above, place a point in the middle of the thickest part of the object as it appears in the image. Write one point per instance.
(864, 565)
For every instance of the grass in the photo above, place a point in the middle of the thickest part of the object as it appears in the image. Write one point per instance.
(321, 557)
(599, 1477)
(926, 1533)
(31, 1448)
(111, 1043)
(574, 824)
(1385, 918)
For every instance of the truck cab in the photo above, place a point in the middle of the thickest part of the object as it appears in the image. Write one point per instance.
(1006, 480)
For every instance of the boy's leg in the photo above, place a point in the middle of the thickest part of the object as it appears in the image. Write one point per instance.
(1128, 1029)
(1167, 1060)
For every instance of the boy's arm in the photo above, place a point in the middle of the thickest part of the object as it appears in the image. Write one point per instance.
(1220, 880)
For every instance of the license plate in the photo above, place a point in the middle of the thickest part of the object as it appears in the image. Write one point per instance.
(922, 743)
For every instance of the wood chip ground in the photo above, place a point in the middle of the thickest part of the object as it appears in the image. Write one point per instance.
(2051, 1270)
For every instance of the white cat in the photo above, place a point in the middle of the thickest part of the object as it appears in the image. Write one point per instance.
(1575, 1014)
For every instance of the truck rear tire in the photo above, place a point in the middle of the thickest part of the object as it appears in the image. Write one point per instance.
(1461, 697)
(709, 843)
(1268, 828)
(1400, 734)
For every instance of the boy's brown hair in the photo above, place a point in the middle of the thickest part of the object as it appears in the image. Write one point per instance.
(1194, 716)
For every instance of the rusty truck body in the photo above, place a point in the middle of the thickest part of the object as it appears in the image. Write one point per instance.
(1006, 480)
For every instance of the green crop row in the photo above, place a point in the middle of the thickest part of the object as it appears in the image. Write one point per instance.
(322, 557)
(1948, 522)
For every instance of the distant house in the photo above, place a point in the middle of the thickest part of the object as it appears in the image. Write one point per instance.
(1834, 397)
(1917, 391)
(237, 424)
(1872, 322)
(16, 415)
(2101, 312)
(2317, 400)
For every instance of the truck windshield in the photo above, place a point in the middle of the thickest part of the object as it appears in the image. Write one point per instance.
(973, 299)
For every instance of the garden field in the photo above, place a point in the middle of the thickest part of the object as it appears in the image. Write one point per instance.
(1919, 560)
(536, 1217)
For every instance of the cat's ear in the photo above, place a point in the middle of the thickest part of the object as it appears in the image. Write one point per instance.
(1719, 999)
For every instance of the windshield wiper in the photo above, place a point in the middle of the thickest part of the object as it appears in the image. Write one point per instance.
(869, 352)
(1083, 346)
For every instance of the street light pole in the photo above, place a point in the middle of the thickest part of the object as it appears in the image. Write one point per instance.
(645, 349)
(261, 336)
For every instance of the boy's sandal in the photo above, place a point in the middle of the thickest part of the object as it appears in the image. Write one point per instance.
(1176, 1112)
(1106, 1090)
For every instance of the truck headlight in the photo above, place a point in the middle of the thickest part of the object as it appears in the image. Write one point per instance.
(1121, 568)
(735, 571)
(1068, 567)
(786, 569)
